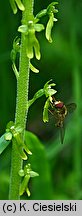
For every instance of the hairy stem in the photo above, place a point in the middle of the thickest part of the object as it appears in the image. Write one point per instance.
(21, 105)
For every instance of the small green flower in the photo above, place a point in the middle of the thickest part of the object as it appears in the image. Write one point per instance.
(32, 44)
(26, 173)
(8, 136)
(15, 132)
(48, 93)
(50, 11)
(48, 90)
(16, 49)
(21, 146)
(15, 4)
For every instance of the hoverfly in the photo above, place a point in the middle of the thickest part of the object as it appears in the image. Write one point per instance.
(60, 111)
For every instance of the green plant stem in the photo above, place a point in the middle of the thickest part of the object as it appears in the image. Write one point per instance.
(21, 105)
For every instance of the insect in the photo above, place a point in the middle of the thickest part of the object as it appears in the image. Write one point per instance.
(59, 110)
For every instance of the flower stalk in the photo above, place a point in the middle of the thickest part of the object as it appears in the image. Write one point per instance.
(21, 103)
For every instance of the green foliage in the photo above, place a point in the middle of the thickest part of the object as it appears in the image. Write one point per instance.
(3, 143)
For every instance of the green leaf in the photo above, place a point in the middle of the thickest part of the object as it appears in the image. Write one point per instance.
(3, 143)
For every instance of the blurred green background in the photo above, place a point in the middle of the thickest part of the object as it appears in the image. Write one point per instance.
(59, 166)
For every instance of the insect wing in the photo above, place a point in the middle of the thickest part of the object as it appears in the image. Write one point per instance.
(54, 113)
(71, 107)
